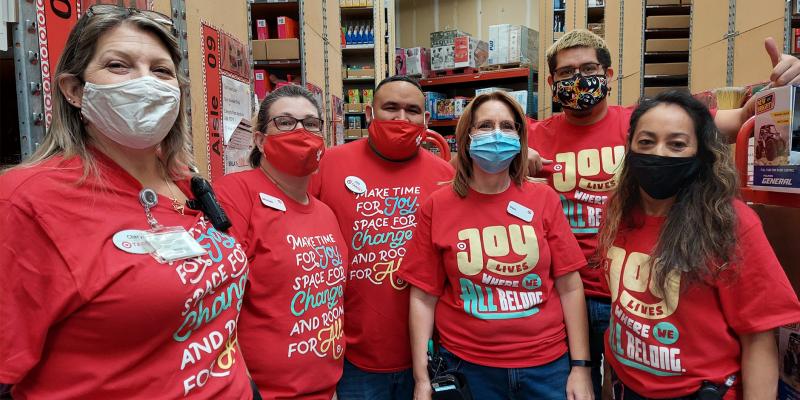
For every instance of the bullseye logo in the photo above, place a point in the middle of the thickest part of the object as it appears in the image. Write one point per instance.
(462, 246)
(558, 167)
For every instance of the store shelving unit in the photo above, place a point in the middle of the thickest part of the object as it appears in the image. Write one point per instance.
(679, 76)
(262, 9)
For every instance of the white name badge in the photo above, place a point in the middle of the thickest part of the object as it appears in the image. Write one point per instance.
(172, 244)
(520, 211)
(132, 241)
(272, 202)
(355, 184)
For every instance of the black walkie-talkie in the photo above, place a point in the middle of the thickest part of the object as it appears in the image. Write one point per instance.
(446, 384)
(205, 201)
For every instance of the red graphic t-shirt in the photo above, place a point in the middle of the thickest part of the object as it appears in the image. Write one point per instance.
(84, 316)
(586, 160)
(494, 273)
(377, 223)
(665, 345)
(291, 320)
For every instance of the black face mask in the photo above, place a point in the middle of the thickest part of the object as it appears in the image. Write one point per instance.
(662, 177)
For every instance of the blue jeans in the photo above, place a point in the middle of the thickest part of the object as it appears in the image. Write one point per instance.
(362, 385)
(545, 382)
(599, 312)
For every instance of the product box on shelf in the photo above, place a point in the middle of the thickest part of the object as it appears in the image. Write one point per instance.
(362, 72)
(430, 102)
(418, 61)
(400, 61)
(445, 109)
(287, 28)
(789, 358)
(523, 45)
(667, 21)
(366, 96)
(666, 45)
(677, 68)
(485, 90)
(352, 133)
(260, 83)
(353, 96)
(459, 104)
(353, 107)
(598, 28)
(596, 3)
(469, 52)
(521, 96)
(262, 31)
(446, 38)
(776, 164)
(353, 122)
(259, 50)
(442, 58)
(499, 43)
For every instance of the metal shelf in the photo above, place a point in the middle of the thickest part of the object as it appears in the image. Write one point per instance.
(370, 79)
(483, 76)
(685, 9)
(358, 47)
(277, 63)
(442, 122)
(667, 33)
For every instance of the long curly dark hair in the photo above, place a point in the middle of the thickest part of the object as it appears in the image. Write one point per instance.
(699, 236)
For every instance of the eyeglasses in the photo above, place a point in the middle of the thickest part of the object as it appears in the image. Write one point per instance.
(99, 9)
(504, 126)
(287, 123)
(585, 69)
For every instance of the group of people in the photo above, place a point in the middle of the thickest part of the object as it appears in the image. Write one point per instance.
(338, 267)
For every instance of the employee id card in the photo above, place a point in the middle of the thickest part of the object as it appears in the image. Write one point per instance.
(172, 243)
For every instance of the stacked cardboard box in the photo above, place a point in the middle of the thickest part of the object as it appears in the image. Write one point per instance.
(509, 44)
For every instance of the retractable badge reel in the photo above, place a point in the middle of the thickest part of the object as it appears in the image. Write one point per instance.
(170, 243)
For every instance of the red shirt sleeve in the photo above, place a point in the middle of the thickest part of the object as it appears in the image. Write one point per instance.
(566, 254)
(232, 194)
(755, 294)
(423, 266)
(37, 290)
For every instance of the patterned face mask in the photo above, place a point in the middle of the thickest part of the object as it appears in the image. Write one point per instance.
(580, 92)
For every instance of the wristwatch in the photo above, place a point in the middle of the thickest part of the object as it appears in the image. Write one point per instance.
(580, 363)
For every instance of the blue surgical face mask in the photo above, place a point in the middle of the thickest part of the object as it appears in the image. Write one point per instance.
(494, 151)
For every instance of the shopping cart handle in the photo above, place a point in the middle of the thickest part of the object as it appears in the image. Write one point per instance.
(439, 141)
(742, 145)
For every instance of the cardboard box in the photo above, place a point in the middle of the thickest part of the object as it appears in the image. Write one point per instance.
(442, 58)
(653, 91)
(261, 83)
(470, 52)
(598, 28)
(430, 102)
(667, 21)
(262, 31)
(523, 45)
(400, 61)
(596, 3)
(418, 61)
(503, 43)
(486, 90)
(352, 133)
(360, 72)
(678, 68)
(446, 38)
(282, 49)
(776, 165)
(259, 49)
(521, 96)
(353, 107)
(663, 2)
(494, 37)
(366, 96)
(459, 104)
(287, 28)
(667, 45)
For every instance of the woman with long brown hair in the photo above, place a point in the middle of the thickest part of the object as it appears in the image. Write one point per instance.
(696, 289)
(494, 265)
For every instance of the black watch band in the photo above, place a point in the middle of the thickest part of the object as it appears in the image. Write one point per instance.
(580, 363)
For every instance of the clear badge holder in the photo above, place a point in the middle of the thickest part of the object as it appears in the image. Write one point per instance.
(170, 243)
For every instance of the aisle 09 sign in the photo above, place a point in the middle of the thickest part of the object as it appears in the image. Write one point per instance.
(54, 20)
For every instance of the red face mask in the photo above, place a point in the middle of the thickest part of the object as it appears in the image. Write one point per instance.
(396, 139)
(296, 152)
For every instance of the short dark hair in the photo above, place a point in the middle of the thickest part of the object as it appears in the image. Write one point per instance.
(396, 78)
(264, 112)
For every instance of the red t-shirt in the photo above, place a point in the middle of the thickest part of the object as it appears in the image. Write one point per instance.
(665, 346)
(586, 160)
(494, 273)
(377, 225)
(81, 318)
(291, 320)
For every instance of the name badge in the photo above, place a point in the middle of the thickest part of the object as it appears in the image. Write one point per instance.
(172, 244)
(520, 211)
(355, 184)
(131, 241)
(272, 202)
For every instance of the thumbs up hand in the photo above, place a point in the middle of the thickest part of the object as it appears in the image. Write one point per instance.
(785, 67)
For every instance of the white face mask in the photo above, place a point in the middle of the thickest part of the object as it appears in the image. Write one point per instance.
(138, 113)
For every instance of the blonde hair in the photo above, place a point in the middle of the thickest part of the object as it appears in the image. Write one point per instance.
(579, 38)
(67, 135)
(518, 169)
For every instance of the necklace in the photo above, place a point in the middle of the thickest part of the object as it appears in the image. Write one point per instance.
(175, 203)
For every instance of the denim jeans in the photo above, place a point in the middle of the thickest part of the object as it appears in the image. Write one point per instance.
(599, 312)
(545, 382)
(362, 385)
